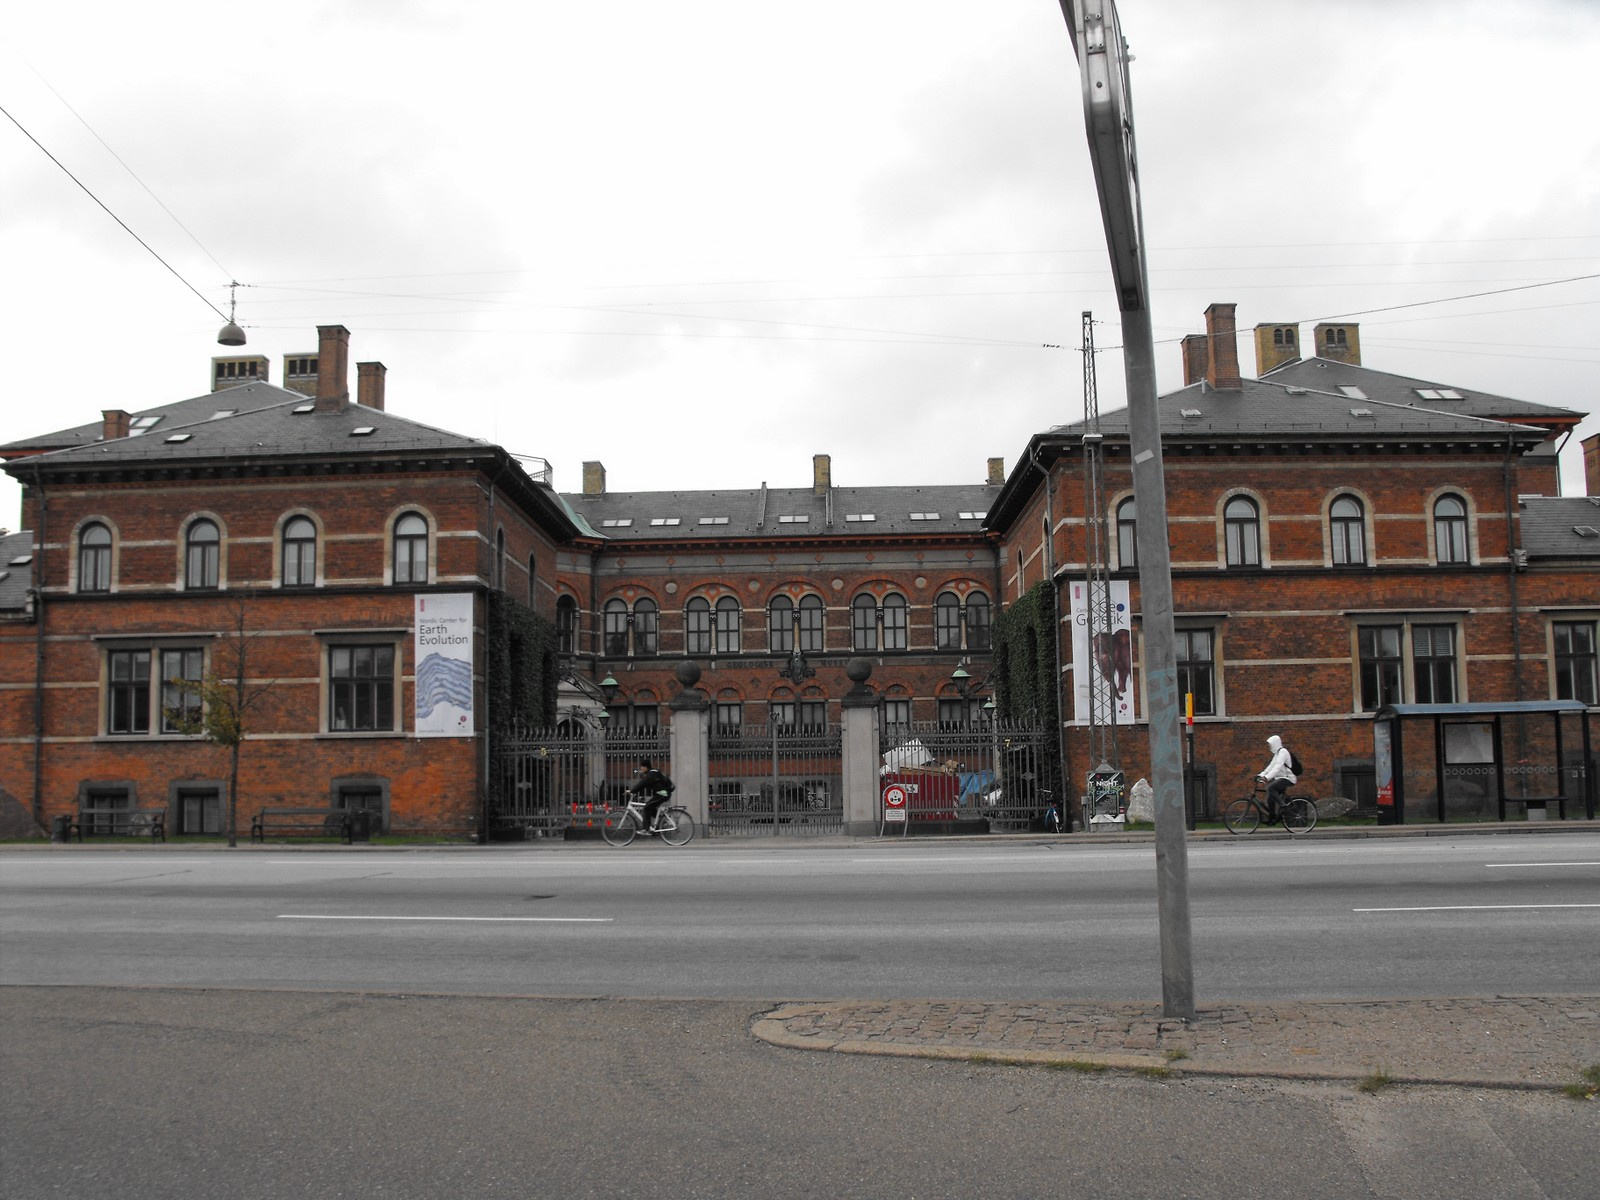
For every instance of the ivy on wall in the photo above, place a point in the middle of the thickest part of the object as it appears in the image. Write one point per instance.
(520, 674)
(1024, 659)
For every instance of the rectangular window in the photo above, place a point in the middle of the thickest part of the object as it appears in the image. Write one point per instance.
(128, 694)
(894, 625)
(697, 629)
(199, 810)
(1380, 666)
(98, 806)
(957, 713)
(781, 713)
(1197, 669)
(730, 717)
(897, 712)
(360, 688)
(813, 714)
(1577, 677)
(1433, 660)
(180, 705)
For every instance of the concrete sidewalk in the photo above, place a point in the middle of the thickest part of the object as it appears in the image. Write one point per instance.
(1530, 1042)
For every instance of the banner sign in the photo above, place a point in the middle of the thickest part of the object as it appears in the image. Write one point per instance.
(1107, 663)
(443, 654)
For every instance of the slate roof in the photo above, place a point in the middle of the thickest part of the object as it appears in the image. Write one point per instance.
(1262, 409)
(1326, 375)
(760, 512)
(15, 577)
(243, 398)
(1551, 527)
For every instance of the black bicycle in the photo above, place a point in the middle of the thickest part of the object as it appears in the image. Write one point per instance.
(1297, 814)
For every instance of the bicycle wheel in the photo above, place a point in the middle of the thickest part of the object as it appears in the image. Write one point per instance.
(676, 826)
(1299, 815)
(620, 827)
(1242, 816)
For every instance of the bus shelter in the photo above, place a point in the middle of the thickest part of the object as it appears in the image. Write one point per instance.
(1522, 760)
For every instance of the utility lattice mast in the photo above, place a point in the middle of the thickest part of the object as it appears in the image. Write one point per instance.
(1097, 566)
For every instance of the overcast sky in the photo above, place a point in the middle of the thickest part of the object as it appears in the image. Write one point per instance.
(702, 241)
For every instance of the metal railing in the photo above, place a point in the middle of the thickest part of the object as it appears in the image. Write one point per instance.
(782, 780)
(1000, 773)
(547, 780)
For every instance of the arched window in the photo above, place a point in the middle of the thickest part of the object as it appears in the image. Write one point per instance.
(411, 549)
(780, 625)
(1450, 529)
(94, 558)
(566, 625)
(1348, 527)
(299, 553)
(697, 626)
(616, 629)
(1127, 535)
(646, 626)
(977, 621)
(947, 621)
(202, 555)
(864, 623)
(894, 622)
(1242, 525)
(811, 636)
(727, 625)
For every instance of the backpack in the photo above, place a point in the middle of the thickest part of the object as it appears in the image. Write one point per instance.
(671, 787)
(1294, 764)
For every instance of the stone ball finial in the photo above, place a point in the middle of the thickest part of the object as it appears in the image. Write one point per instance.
(859, 670)
(688, 673)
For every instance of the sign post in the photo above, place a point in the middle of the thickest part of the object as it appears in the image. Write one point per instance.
(894, 807)
(1108, 117)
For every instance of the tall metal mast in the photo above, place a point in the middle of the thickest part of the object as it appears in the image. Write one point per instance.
(1097, 566)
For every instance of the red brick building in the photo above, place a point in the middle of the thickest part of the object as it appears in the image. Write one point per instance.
(1341, 539)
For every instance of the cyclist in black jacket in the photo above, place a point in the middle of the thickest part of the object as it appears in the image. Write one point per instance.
(655, 787)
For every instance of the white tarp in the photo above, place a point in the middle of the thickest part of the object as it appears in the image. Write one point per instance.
(908, 754)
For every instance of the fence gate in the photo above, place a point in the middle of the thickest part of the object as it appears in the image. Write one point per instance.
(1000, 772)
(782, 780)
(544, 781)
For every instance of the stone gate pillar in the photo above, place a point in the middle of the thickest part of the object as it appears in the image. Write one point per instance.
(859, 752)
(689, 743)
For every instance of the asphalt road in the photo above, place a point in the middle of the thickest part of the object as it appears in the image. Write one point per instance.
(149, 1094)
(1438, 916)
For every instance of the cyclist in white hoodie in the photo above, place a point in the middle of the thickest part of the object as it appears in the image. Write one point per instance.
(1278, 775)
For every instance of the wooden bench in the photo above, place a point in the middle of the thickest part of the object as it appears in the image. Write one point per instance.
(317, 822)
(126, 822)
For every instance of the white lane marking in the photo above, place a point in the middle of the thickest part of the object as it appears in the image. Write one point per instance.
(1471, 907)
(546, 920)
(1539, 864)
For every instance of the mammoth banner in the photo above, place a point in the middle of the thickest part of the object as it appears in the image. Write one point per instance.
(444, 665)
(1102, 652)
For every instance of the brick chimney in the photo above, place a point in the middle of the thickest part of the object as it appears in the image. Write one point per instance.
(1196, 357)
(116, 424)
(1340, 342)
(369, 384)
(821, 474)
(333, 368)
(594, 479)
(1276, 345)
(1222, 372)
(1591, 464)
(997, 470)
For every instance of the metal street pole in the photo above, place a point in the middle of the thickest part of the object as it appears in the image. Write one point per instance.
(1108, 116)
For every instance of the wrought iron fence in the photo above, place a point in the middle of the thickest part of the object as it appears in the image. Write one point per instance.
(547, 780)
(775, 779)
(1001, 773)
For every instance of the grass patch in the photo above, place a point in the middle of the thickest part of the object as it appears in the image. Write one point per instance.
(1588, 1085)
(1375, 1082)
(1177, 1054)
(1155, 1072)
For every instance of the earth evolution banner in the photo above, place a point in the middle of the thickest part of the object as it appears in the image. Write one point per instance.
(443, 654)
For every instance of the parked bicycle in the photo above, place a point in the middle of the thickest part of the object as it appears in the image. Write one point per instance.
(1297, 814)
(674, 826)
(1052, 814)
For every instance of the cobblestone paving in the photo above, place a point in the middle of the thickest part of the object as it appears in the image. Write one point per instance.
(1525, 1041)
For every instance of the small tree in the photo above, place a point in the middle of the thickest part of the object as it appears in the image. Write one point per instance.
(226, 698)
